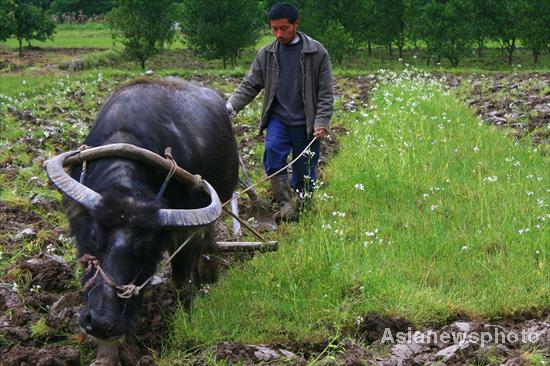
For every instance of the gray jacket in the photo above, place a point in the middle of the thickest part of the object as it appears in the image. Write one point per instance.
(317, 87)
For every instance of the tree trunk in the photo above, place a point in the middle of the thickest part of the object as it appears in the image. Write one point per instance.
(536, 53)
(224, 63)
(369, 44)
(479, 48)
(400, 46)
(390, 49)
(20, 46)
(511, 49)
(142, 62)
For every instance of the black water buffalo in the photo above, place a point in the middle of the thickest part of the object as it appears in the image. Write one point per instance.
(114, 214)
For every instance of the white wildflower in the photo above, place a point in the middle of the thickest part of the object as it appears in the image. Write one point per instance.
(359, 186)
(373, 232)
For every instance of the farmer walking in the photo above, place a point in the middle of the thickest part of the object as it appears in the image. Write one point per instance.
(296, 74)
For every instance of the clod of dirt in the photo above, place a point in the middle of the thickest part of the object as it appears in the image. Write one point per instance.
(468, 343)
(514, 101)
(48, 271)
(64, 312)
(354, 355)
(374, 325)
(251, 354)
(45, 356)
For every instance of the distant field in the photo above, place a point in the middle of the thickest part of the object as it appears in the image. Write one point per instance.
(90, 35)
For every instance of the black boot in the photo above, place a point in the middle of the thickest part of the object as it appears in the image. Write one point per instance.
(283, 196)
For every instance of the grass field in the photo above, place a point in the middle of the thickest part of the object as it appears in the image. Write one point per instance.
(426, 215)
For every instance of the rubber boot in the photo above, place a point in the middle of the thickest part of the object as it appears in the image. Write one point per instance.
(283, 196)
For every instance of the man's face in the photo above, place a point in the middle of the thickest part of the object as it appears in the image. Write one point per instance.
(283, 30)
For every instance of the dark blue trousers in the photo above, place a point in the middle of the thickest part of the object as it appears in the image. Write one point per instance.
(280, 140)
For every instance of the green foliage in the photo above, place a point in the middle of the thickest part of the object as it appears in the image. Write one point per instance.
(339, 25)
(337, 40)
(31, 23)
(220, 29)
(412, 16)
(507, 25)
(534, 29)
(388, 23)
(88, 7)
(484, 22)
(7, 19)
(447, 28)
(143, 27)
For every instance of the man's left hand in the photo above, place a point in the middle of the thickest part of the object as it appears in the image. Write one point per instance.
(320, 132)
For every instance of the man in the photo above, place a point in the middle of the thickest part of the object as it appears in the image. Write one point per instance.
(296, 74)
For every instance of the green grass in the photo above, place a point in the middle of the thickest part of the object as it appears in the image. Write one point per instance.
(426, 215)
(90, 35)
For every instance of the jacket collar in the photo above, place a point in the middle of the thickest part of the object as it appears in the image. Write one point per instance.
(308, 46)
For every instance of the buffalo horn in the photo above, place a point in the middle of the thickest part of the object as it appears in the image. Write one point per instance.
(174, 218)
(70, 187)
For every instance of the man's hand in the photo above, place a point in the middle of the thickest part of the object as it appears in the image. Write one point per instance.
(320, 132)
(230, 110)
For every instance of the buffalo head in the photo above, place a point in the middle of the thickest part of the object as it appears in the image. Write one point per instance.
(121, 234)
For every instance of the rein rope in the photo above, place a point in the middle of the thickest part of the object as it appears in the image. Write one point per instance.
(127, 291)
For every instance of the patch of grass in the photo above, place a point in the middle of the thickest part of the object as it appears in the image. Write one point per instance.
(427, 214)
(40, 329)
(535, 358)
(89, 35)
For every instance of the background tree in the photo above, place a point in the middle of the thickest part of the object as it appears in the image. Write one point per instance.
(507, 25)
(31, 23)
(337, 41)
(340, 24)
(143, 27)
(448, 28)
(535, 26)
(7, 19)
(412, 16)
(484, 22)
(219, 29)
(389, 24)
(88, 7)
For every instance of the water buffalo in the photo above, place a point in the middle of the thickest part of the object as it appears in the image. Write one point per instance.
(120, 226)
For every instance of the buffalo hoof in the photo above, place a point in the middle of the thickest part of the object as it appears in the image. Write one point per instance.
(107, 355)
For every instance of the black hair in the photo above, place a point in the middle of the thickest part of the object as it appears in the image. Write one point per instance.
(284, 10)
